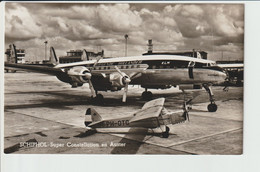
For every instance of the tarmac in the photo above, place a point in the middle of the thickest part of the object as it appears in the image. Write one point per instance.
(45, 116)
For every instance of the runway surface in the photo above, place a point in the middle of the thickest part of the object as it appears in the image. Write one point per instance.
(45, 116)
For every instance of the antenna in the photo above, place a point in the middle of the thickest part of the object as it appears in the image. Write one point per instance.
(126, 37)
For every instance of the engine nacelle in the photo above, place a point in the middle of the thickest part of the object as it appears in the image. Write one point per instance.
(189, 86)
(117, 79)
(79, 75)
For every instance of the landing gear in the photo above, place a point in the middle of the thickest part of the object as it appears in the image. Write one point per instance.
(166, 133)
(212, 107)
(99, 99)
(147, 95)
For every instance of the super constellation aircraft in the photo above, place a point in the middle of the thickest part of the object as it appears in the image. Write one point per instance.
(150, 71)
(152, 115)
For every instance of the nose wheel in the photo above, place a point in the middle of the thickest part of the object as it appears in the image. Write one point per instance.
(212, 107)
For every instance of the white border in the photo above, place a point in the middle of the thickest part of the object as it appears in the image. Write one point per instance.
(249, 161)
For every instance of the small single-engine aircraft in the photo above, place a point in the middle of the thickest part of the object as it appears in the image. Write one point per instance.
(152, 115)
(150, 71)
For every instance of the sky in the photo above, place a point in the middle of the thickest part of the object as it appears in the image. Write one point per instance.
(217, 29)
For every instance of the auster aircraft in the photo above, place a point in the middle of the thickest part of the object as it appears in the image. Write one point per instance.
(152, 115)
(150, 71)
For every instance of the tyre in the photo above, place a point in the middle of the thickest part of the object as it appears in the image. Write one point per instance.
(212, 107)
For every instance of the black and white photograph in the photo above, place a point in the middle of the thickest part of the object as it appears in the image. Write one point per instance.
(124, 78)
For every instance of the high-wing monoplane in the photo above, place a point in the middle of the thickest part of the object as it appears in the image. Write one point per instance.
(152, 115)
(150, 71)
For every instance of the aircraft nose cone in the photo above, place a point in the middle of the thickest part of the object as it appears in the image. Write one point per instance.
(223, 77)
(127, 80)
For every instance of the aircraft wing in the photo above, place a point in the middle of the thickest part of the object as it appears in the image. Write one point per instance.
(156, 102)
(94, 123)
(150, 110)
(35, 68)
(238, 65)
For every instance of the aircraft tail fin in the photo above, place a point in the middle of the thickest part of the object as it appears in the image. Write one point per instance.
(198, 55)
(85, 56)
(94, 115)
(53, 58)
(13, 53)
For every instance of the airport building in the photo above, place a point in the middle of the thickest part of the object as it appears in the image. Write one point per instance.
(76, 56)
(20, 55)
(194, 53)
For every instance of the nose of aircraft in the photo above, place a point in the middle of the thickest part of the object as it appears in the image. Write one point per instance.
(223, 77)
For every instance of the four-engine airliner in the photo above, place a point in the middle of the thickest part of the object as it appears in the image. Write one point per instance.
(150, 71)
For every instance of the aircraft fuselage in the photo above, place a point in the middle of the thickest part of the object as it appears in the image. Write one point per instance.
(160, 70)
(155, 122)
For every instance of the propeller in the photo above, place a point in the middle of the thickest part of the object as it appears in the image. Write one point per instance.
(126, 80)
(91, 87)
(187, 108)
(227, 82)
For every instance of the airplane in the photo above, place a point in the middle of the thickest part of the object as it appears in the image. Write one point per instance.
(150, 71)
(235, 74)
(152, 115)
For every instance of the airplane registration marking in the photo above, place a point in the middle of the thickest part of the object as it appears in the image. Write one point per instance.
(116, 123)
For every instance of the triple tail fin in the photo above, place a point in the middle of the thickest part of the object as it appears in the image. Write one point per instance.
(94, 115)
(53, 58)
(13, 52)
(85, 56)
(198, 55)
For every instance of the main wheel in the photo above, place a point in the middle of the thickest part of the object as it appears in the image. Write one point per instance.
(99, 99)
(165, 134)
(167, 129)
(212, 107)
(147, 95)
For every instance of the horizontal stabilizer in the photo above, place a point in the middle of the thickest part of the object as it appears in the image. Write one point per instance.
(94, 123)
